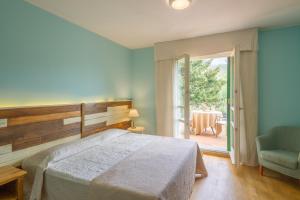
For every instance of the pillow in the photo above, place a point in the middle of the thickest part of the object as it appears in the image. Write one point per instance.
(78, 146)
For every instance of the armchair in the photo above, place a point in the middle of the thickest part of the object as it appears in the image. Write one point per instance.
(279, 150)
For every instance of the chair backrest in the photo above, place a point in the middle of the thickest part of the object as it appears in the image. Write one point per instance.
(287, 138)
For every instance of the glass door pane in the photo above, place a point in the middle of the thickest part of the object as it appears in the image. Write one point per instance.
(181, 97)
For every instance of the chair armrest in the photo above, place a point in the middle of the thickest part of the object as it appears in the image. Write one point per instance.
(264, 142)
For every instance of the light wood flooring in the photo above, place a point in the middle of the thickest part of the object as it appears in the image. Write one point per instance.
(226, 182)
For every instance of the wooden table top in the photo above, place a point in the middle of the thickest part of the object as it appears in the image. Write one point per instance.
(10, 173)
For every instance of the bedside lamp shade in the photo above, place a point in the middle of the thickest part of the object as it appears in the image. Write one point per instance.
(133, 113)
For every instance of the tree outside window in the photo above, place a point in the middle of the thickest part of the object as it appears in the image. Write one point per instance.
(207, 86)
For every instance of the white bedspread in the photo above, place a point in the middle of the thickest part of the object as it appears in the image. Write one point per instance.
(116, 163)
(88, 164)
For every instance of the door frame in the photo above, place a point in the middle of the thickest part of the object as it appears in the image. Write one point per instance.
(226, 54)
(235, 106)
(228, 103)
(186, 105)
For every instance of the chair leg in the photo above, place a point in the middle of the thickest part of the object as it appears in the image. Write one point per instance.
(261, 170)
(213, 131)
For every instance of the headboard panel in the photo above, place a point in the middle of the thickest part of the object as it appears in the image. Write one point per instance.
(101, 116)
(28, 130)
(29, 127)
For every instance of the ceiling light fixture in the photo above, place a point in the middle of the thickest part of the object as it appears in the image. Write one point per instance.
(180, 4)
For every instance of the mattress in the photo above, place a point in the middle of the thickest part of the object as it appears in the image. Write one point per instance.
(114, 162)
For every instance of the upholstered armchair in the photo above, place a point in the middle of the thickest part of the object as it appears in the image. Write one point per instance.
(279, 150)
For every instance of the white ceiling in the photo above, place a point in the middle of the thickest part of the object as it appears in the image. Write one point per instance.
(141, 23)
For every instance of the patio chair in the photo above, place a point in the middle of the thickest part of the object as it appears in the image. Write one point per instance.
(219, 125)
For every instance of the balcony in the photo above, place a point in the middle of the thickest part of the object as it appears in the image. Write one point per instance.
(209, 130)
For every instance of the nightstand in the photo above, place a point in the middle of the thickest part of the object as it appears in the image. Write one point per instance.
(137, 129)
(11, 183)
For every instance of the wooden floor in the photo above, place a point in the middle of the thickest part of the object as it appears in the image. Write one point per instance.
(226, 182)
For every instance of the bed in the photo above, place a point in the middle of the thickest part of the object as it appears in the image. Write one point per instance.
(115, 164)
(84, 151)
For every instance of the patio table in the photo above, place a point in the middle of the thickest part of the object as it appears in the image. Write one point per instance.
(201, 120)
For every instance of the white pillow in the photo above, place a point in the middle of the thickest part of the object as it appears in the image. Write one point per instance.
(78, 146)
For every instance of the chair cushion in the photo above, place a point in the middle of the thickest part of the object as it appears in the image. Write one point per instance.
(284, 158)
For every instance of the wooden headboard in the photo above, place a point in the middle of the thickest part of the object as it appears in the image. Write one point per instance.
(32, 129)
(101, 116)
(28, 130)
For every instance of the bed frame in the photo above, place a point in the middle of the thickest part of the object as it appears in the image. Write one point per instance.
(28, 130)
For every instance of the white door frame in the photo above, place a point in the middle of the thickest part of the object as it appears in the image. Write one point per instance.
(186, 105)
(235, 107)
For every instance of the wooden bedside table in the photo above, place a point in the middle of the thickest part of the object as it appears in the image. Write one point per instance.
(137, 129)
(11, 183)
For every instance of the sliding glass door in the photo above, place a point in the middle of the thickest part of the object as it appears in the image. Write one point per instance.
(182, 97)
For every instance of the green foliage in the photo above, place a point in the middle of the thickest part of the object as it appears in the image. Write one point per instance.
(207, 86)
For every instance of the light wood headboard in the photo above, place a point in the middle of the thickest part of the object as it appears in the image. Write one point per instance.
(25, 131)
(101, 116)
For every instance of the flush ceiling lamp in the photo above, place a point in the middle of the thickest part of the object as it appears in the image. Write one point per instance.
(180, 4)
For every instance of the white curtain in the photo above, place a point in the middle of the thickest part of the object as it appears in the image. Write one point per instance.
(164, 97)
(249, 105)
(210, 45)
(207, 45)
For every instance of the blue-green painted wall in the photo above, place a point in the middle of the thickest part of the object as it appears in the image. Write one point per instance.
(45, 59)
(279, 78)
(143, 87)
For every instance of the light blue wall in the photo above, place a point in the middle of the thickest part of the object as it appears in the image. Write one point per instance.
(279, 78)
(45, 59)
(143, 87)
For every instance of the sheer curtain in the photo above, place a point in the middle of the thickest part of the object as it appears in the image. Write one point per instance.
(164, 97)
(211, 45)
(249, 104)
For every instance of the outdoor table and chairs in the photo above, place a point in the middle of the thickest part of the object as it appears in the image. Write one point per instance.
(203, 120)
